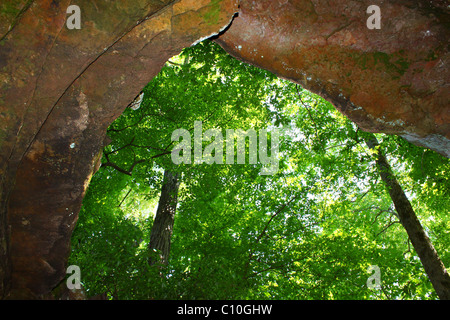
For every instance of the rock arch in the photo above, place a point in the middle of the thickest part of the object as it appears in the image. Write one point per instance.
(61, 88)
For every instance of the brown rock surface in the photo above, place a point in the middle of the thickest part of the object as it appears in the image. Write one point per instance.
(392, 80)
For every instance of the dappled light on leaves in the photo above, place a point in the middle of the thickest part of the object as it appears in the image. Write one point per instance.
(308, 231)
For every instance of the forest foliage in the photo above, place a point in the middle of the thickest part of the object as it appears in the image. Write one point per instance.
(310, 231)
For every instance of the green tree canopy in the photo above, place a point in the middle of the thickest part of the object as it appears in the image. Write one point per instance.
(309, 231)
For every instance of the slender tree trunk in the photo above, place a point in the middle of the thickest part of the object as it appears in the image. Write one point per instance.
(161, 233)
(431, 262)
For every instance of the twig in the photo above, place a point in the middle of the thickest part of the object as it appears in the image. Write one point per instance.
(387, 227)
(307, 109)
(124, 197)
(258, 239)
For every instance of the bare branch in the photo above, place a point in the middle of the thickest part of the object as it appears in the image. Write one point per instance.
(115, 166)
(129, 191)
(387, 227)
(307, 109)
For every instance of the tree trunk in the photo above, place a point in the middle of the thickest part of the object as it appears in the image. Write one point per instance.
(161, 233)
(433, 265)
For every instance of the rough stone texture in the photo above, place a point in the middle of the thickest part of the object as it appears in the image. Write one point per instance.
(60, 89)
(393, 80)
